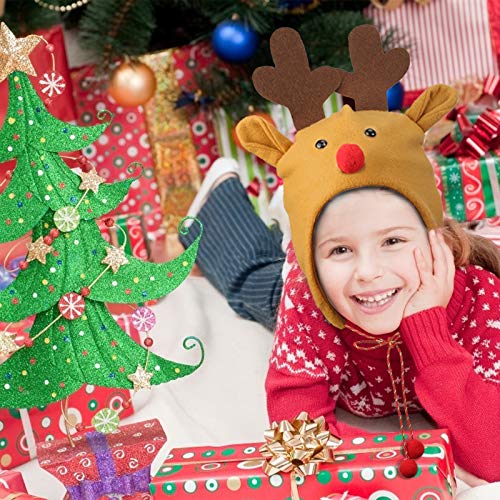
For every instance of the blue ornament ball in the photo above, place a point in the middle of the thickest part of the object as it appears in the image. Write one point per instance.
(234, 42)
(395, 96)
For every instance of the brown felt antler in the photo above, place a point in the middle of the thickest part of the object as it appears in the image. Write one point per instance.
(374, 70)
(292, 83)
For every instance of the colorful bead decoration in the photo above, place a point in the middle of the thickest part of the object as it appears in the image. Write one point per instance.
(67, 219)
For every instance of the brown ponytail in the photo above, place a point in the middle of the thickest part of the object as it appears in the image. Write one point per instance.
(469, 248)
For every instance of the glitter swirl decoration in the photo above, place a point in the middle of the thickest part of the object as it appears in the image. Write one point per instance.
(70, 271)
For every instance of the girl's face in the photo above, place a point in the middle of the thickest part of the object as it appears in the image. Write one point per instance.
(364, 254)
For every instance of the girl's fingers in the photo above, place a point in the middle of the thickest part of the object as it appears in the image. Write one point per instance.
(423, 269)
(438, 257)
(449, 260)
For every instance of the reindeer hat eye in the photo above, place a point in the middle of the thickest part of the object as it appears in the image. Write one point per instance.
(370, 132)
(321, 144)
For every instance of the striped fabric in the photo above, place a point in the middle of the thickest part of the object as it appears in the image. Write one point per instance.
(448, 40)
(238, 254)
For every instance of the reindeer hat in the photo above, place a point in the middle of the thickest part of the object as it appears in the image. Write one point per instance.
(350, 149)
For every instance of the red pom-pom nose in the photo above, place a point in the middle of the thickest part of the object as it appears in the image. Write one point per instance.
(414, 448)
(408, 467)
(350, 158)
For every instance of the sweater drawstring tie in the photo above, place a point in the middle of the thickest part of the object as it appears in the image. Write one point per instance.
(412, 448)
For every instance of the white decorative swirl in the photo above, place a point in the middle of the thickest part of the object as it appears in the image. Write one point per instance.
(79, 476)
(45, 462)
(46, 445)
(85, 462)
(81, 454)
(147, 425)
(136, 235)
(470, 170)
(150, 448)
(137, 434)
(476, 208)
(133, 463)
(62, 470)
(117, 445)
(158, 438)
(119, 453)
(61, 450)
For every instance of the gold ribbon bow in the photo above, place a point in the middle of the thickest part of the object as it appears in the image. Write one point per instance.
(298, 446)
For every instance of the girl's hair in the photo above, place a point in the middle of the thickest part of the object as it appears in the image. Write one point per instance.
(469, 248)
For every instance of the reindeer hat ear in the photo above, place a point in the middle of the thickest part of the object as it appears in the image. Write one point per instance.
(432, 105)
(259, 137)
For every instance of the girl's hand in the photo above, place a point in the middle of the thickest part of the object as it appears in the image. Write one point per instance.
(436, 282)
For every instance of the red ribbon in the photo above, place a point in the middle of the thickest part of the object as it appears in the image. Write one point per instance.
(479, 138)
(254, 187)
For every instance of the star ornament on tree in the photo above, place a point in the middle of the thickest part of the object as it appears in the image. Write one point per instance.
(91, 180)
(115, 258)
(14, 52)
(7, 344)
(140, 378)
(38, 250)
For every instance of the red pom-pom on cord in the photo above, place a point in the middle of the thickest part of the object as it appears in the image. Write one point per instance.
(23, 265)
(414, 448)
(408, 467)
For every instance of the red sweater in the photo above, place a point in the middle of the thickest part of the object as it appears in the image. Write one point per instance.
(452, 360)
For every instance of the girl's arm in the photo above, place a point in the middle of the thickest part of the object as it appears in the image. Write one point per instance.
(299, 378)
(458, 392)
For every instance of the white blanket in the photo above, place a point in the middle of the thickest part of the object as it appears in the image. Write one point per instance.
(223, 402)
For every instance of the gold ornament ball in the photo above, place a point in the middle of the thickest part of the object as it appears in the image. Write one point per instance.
(387, 4)
(132, 84)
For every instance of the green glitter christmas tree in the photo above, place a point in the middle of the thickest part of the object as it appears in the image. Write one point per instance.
(70, 271)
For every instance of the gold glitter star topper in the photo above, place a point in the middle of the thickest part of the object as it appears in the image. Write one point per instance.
(38, 250)
(7, 344)
(140, 378)
(115, 258)
(91, 180)
(14, 52)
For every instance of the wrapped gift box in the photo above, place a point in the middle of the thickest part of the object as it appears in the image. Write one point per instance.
(105, 464)
(469, 187)
(21, 429)
(12, 480)
(364, 466)
(8, 494)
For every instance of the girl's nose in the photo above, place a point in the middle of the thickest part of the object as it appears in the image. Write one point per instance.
(350, 158)
(368, 268)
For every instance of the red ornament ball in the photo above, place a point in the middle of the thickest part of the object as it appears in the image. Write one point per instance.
(79, 427)
(8, 174)
(48, 240)
(28, 342)
(125, 405)
(148, 341)
(23, 265)
(408, 467)
(109, 222)
(49, 48)
(414, 448)
(85, 291)
(54, 232)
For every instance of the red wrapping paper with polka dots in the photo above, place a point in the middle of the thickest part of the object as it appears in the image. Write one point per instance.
(365, 466)
(21, 429)
(125, 141)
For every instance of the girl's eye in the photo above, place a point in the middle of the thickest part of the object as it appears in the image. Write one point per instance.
(321, 144)
(392, 241)
(339, 251)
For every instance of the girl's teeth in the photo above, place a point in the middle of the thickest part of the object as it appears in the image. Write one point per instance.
(377, 300)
